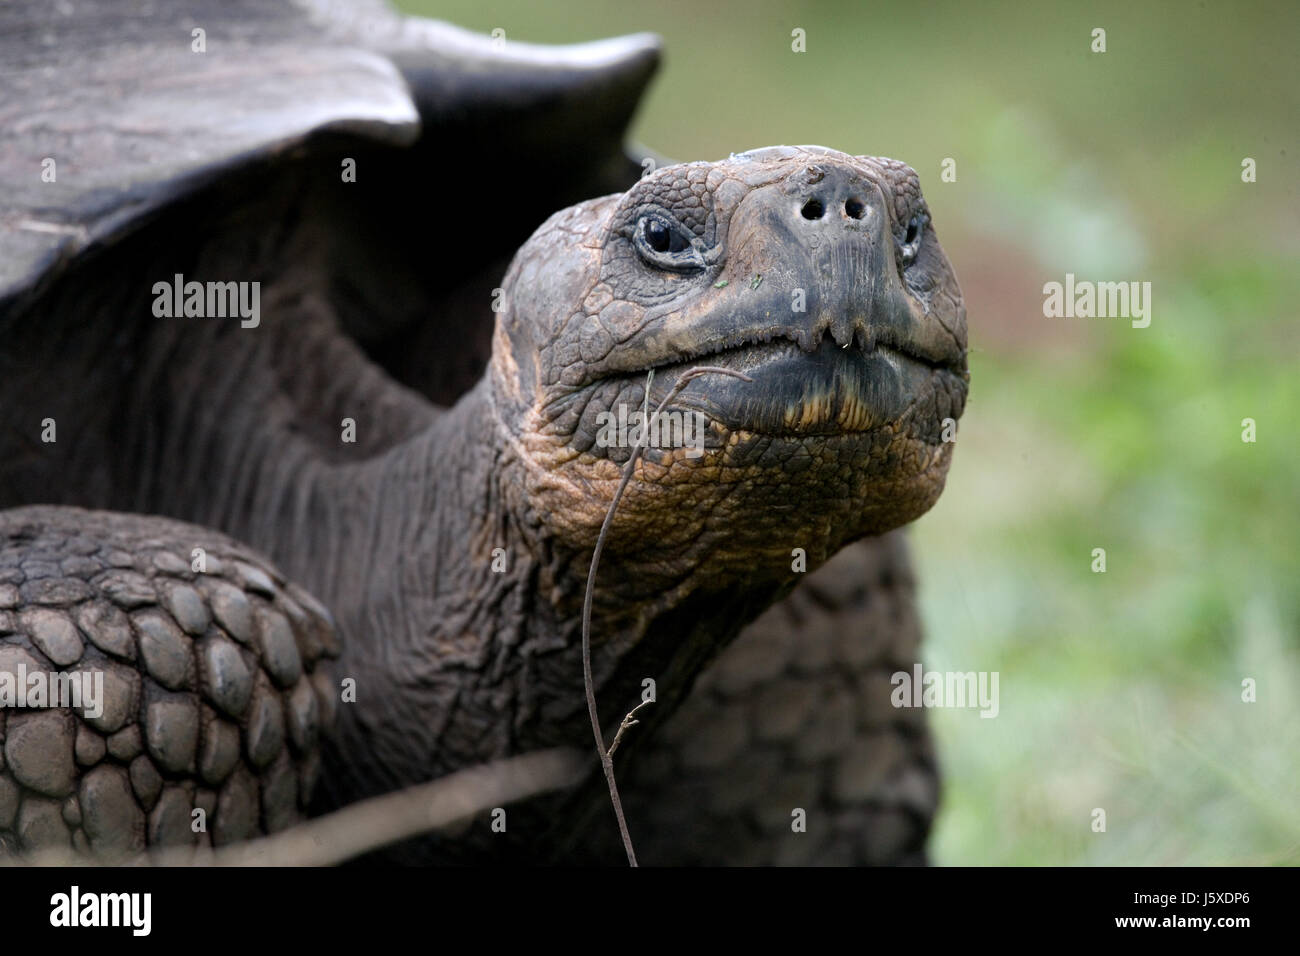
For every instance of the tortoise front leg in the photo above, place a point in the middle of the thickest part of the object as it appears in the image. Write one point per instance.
(202, 679)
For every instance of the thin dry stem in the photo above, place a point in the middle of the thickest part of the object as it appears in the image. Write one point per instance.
(628, 722)
(370, 824)
(606, 756)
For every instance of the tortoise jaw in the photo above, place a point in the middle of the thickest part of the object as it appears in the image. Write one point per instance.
(858, 336)
(826, 390)
(730, 332)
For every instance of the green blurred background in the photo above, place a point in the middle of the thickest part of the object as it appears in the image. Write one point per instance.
(1120, 690)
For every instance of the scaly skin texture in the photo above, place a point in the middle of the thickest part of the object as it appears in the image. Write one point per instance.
(796, 715)
(211, 694)
(452, 546)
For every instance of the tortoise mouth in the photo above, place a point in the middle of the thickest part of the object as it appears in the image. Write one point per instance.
(828, 390)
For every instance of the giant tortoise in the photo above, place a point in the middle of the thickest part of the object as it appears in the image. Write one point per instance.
(321, 330)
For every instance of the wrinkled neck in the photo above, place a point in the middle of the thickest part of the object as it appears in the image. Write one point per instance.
(460, 617)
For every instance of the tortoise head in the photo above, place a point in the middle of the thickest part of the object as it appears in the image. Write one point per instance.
(815, 274)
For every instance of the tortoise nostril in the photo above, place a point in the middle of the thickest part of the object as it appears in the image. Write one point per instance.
(813, 209)
(855, 208)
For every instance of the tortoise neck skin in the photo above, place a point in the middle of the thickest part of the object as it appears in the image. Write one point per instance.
(457, 602)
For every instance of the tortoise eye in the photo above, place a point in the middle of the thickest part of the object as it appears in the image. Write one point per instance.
(911, 243)
(659, 236)
(665, 244)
